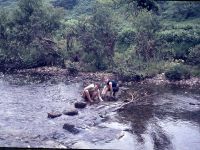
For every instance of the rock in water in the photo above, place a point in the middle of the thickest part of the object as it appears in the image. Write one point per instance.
(71, 112)
(80, 105)
(81, 145)
(191, 103)
(71, 128)
(54, 114)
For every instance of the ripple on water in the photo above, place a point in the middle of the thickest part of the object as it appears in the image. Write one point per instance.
(167, 120)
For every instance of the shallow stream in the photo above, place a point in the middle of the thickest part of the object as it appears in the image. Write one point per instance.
(168, 120)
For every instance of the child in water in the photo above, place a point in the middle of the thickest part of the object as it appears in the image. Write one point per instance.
(92, 91)
(111, 86)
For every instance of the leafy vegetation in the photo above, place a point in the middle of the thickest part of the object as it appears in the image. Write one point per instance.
(177, 72)
(134, 39)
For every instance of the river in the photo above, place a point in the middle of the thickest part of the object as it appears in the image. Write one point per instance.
(170, 119)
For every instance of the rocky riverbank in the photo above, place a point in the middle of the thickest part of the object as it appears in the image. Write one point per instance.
(161, 80)
(89, 77)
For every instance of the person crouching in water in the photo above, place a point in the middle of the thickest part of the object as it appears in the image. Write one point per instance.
(92, 91)
(111, 86)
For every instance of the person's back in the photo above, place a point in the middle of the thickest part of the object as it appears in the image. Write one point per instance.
(91, 92)
(114, 83)
(112, 86)
(90, 88)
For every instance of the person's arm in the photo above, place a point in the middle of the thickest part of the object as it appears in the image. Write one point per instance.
(104, 91)
(111, 89)
(99, 95)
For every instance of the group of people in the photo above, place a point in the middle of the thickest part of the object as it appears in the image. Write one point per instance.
(92, 91)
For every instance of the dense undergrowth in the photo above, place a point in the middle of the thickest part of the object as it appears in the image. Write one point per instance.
(134, 39)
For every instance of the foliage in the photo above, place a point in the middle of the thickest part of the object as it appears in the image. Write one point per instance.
(96, 38)
(146, 25)
(125, 39)
(194, 55)
(27, 32)
(181, 10)
(177, 72)
(67, 4)
(132, 38)
(72, 67)
(134, 6)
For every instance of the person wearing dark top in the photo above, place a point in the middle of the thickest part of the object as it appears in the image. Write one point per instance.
(111, 86)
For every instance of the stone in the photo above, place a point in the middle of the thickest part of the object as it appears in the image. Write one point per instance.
(71, 112)
(54, 114)
(126, 100)
(71, 128)
(191, 103)
(81, 145)
(80, 105)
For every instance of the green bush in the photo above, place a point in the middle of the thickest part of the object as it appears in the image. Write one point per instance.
(177, 72)
(146, 25)
(71, 67)
(26, 35)
(194, 55)
(125, 39)
(96, 38)
(67, 4)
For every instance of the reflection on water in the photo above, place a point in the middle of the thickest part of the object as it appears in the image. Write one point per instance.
(165, 120)
(168, 120)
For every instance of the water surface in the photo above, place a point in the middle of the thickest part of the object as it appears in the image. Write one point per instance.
(168, 120)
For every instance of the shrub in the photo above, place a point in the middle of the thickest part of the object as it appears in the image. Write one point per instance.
(26, 35)
(96, 39)
(67, 4)
(146, 25)
(194, 55)
(71, 67)
(177, 72)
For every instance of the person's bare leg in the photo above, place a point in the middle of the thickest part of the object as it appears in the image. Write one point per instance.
(104, 91)
(88, 96)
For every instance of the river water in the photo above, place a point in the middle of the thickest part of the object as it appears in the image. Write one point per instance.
(170, 119)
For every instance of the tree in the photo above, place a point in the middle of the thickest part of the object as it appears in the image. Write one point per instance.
(67, 4)
(26, 33)
(133, 7)
(97, 38)
(146, 25)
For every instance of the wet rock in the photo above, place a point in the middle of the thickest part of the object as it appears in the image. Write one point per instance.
(71, 128)
(54, 114)
(80, 105)
(71, 112)
(191, 103)
(81, 145)
(126, 100)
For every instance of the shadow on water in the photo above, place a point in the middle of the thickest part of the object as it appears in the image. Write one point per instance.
(171, 104)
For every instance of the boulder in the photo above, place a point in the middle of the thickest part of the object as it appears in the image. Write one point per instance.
(71, 112)
(80, 105)
(54, 114)
(71, 128)
(81, 145)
